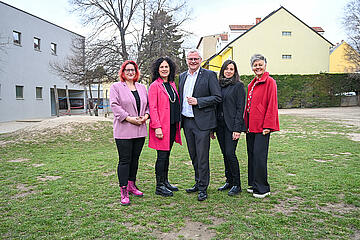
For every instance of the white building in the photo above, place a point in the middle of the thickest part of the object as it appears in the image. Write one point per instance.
(28, 44)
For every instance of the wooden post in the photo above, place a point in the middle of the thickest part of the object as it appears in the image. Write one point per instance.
(68, 100)
(56, 101)
(107, 103)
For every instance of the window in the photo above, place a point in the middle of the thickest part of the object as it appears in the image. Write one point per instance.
(17, 38)
(37, 43)
(53, 48)
(286, 33)
(286, 56)
(19, 92)
(39, 92)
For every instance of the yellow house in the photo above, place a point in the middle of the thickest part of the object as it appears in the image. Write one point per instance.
(290, 46)
(339, 62)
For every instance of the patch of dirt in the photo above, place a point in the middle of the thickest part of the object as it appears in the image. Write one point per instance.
(347, 116)
(322, 160)
(288, 206)
(19, 160)
(338, 208)
(191, 230)
(24, 191)
(354, 136)
(48, 178)
(37, 165)
(106, 174)
(40, 131)
(189, 163)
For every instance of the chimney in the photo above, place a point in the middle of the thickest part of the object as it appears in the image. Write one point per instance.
(258, 20)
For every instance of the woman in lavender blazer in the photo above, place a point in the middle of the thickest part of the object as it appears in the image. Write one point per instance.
(129, 104)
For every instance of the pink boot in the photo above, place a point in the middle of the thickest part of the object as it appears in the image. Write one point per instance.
(133, 189)
(124, 196)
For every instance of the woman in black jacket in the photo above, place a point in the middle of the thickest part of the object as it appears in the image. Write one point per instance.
(230, 123)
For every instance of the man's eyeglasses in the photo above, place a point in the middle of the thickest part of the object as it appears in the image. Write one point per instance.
(129, 70)
(193, 59)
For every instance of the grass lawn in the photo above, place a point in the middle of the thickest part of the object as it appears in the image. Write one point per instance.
(62, 184)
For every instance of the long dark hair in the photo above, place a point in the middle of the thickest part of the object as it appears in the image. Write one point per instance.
(156, 65)
(236, 77)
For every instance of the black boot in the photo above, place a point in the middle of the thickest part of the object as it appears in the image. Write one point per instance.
(169, 186)
(160, 187)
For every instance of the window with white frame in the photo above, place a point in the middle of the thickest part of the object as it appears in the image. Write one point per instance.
(39, 92)
(286, 33)
(53, 48)
(19, 92)
(36, 43)
(17, 38)
(286, 56)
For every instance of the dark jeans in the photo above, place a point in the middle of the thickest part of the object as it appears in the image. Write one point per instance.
(228, 148)
(257, 148)
(162, 161)
(129, 152)
(198, 144)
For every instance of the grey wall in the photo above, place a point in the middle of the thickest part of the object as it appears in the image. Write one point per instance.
(22, 65)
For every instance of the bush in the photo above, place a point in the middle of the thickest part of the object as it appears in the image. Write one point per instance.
(314, 90)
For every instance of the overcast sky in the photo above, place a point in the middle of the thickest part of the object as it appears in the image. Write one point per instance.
(212, 16)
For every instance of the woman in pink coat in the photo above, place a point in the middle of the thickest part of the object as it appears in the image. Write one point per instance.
(164, 127)
(261, 118)
(129, 104)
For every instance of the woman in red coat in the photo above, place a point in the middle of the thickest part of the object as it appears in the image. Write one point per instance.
(164, 124)
(261, 118)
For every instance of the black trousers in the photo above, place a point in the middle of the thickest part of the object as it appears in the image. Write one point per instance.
(129, 152)
(228, 148)
(162, 161)
(198, 144)
(257, 148)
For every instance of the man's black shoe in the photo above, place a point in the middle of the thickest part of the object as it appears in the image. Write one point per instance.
(225, 187)
(202, 195)
(234, 190)
(193, 189)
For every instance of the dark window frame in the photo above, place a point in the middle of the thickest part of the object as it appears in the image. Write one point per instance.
(17, 39)
(20, 94)
(37, 46)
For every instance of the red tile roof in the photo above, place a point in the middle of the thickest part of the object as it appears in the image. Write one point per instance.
(318, 29)
(224, 36)
(240, 27)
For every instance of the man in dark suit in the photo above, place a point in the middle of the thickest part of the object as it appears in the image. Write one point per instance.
(199, 92)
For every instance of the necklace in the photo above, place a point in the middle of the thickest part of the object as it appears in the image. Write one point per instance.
(172, 101)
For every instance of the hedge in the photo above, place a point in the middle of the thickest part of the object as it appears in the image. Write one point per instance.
(315, 90)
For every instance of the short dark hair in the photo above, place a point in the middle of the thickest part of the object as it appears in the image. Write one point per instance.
(156, 65)
(236, 77)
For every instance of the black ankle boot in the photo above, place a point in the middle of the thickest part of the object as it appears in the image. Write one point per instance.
(161, 189)
(169, 186)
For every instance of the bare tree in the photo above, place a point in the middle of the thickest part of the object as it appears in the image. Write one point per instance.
(83, 67)
(351, 24)
(123, 23)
